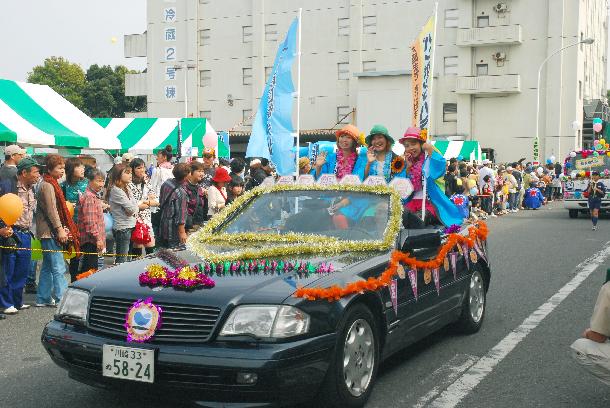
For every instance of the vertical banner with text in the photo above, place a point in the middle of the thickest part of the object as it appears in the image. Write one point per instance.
(421, 78)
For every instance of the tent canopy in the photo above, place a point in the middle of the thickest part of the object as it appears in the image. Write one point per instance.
(469, 150)
(149, 135)
(37, 115)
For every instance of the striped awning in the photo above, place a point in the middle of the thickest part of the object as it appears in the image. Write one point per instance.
(32, 114)
(149, 135)
(468, 150)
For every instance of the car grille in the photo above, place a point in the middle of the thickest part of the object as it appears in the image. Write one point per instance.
(181, 323)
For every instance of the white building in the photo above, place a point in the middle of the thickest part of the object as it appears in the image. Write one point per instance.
(356, 57)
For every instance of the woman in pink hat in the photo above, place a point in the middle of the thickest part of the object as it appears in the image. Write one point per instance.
(345, 160)
(217, 193)
(417, 151)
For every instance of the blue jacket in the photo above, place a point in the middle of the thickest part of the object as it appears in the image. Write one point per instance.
(533, 198)
(331, 163)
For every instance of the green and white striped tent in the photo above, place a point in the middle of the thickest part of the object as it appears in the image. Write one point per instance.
(149, 135)
(36, 115)
(469, 150)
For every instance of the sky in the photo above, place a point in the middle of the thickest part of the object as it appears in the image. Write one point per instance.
(78, 30)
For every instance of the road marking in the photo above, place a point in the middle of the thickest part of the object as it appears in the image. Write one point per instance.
(457, 391)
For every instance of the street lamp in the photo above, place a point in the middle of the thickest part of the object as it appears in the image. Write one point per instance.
(587, 41)
(186, 97)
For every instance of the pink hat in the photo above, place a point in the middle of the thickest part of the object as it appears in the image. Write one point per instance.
(413, 133)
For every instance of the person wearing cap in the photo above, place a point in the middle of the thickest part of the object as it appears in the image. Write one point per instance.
(596, 191)
(217, 194)
(304, 165)
(417, 152)
(127, 158)
(16, 263)
(12, 155)
(345, 159)
(381, 161)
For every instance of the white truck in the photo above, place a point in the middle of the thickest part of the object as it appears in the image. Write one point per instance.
(578, 170)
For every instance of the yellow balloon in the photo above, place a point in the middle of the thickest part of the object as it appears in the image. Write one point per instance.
(602, 141)
(113, 40)
(608, 154)
(11, 208)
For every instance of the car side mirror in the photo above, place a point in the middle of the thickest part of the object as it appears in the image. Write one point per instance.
(418, 241)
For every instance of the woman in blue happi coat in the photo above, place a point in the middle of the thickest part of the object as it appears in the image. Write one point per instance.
(345, 160)
(381, 161)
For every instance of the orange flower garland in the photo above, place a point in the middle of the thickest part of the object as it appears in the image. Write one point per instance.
(478, 231)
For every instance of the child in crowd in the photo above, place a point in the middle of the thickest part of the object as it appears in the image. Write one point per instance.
(487, 193)
(91, 226)
(460, 200)
(236, 188)
(533, 197)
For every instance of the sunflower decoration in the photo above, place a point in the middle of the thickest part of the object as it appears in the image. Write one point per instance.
(398, 165)
(362, 139)
(424, 135)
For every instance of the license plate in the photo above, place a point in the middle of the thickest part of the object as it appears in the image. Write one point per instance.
(128, 363)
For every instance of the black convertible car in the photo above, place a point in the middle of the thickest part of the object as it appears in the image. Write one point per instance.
(280, 299)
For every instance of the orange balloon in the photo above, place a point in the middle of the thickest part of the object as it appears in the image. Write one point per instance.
(11, 208)
(70, 206)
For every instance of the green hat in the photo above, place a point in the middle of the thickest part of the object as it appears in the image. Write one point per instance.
(379, 130)
(26, 163)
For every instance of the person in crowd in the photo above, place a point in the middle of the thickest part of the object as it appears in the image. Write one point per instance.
(16, 263)
(556, 183)
(547, 177)
(487, 192)
(439, 205)
(451, 180)
(217, 194)
(238, 168)
(74, 187)
(56, 229)
(124, 209)
(592, 351)
(518, 175)
(209, 155)
(160, 175)
(511, 186)
(486, 170)
(91, 227)
(381, 161)
(140, 189)
(174, 209)
(533, 196)
(461, 201)
(8, 171)
(596, 191)
(304, 166)
(127, 158)
(236, 188)
(196, 197)
(223, 162)
(345, 160)
(260, 169)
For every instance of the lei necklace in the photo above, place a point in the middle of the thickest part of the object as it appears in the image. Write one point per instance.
(387, 170)
(344, 165)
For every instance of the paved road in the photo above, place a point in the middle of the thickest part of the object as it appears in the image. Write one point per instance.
(534, 255)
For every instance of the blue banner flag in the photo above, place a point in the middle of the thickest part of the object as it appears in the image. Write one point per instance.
(272, 131)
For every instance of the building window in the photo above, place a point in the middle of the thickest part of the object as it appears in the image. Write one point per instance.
(206, 115)
(205, 78)
(246, 76)
(204, 37)
(270, 32)
(343, 114)
(368, 66)
(451, 65)
(450, 112)
(482, 21)
(343, 70)
(482, 69)
(246, 117)
(451, 18)
(369, 24)
(246, 34)
(343, 26)
(268, 71)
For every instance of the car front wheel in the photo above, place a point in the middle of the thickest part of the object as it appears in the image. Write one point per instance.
(353, 370)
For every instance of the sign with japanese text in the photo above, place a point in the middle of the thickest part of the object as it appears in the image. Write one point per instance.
(593, 161)
(421, 77)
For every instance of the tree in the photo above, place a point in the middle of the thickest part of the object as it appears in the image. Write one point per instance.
(64, 77)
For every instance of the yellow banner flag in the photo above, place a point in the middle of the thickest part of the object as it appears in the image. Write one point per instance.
(421, 77)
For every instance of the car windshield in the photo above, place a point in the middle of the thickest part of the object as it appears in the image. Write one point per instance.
(345, 215)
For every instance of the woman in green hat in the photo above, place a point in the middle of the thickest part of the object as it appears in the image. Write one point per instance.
(381, 161)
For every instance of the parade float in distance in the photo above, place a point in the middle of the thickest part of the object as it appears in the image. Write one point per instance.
(295, 291)
(578, 166)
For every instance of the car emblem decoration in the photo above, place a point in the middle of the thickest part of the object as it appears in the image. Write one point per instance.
(460, 241)
(142, 320)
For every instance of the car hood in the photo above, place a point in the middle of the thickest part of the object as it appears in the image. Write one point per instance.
(121, 281)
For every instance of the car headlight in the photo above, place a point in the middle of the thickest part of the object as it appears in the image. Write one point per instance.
(73, 306)
(266, 321)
